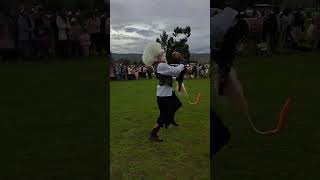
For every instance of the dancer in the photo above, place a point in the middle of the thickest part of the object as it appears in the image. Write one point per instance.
(168, 102)
(233, 29)
(227, 29)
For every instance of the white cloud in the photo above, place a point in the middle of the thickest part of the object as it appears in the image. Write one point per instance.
(135, 23)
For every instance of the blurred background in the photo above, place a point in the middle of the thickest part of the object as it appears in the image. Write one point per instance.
(45, 29)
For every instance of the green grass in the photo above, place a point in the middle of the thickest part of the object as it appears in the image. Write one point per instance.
(184, 155)
(294, 153)
(52, 120)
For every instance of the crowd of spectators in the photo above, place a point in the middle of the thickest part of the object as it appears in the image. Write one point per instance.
(40, 32)
(274, 30)
(120, 71)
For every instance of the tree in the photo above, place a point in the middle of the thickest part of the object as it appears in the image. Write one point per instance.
(177, 42)
(163, 40)
(181, 44)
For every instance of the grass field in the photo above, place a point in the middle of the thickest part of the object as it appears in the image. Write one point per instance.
(52, 120)
(294, 153)
(185, 152)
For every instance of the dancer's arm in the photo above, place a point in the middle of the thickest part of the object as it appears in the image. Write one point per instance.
(167, 70)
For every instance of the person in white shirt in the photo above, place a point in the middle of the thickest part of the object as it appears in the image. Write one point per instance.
(168, 102)
(144, 72)
(129, 73)
(63, 27)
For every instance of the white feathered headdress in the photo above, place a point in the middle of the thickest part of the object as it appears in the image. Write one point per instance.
(151, 52)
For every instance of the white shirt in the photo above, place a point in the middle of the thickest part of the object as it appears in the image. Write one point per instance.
(62, 25)
(167, 70)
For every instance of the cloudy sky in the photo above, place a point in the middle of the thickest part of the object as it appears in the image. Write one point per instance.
(134, 23)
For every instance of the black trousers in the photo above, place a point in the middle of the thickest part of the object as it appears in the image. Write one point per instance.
(63, 48)
(75, 48)
(168, 107)
(219, 134)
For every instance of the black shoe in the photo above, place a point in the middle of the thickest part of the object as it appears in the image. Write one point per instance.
(156, 138)
(166, 126)
(174, 123)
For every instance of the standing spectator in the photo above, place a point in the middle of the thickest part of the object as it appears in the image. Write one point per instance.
(122, 73)
(149, 72)
(33, 37)
(129, 73)
(53, 22)
(75, 32)
(144, 69)
(140, 72)
(78, 16)
(298, 28)
(108, 35)
(118, 72)
(290, 38)
(135, 73)
(275, 32)
(112, 74)
(48, 21)
(37, 31)
(103, 37)
(7, 35)
(194, 71)
(42, 34)
(199, 70)
(93, 25)
(278, 30)
(291, 17)
(85, 42)
(203, 70)
(125, 73)
(269, 30)
(63, 26)
(24, 30)
(69, 16)
(315, 35)
(132, 72)
(284, 28)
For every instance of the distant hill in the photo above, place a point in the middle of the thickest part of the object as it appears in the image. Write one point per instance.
(130, 57)
(200, 58)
